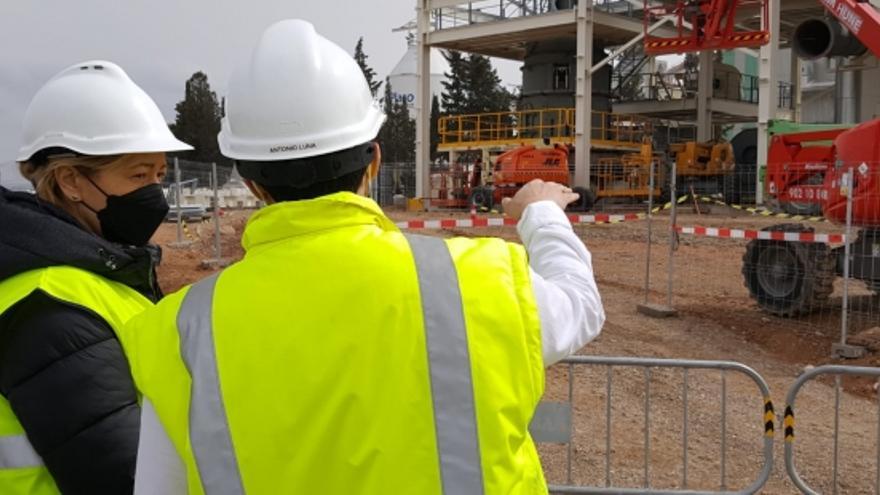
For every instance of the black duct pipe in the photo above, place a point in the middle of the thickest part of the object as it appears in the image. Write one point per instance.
(817, 38)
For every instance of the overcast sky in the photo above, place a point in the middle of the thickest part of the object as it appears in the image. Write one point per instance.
(160, 43)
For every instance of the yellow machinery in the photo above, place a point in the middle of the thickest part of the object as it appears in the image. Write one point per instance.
(621, 145)
(702, 159)
(703, 168)
(622, 153)
(628, 175)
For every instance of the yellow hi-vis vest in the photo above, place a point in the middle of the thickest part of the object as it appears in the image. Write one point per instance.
(21, 469)
(341, 357)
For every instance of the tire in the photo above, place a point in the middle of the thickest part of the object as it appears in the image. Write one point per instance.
(789, 279)
(745, 154)
(804, 209)
(481, 198)
(585, 202)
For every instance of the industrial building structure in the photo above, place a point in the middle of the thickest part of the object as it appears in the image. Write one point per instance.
(588, 83)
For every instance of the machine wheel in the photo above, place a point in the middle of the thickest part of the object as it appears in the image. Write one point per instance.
(788, 278)
(481, 198)
(586, 201)
(805, 209)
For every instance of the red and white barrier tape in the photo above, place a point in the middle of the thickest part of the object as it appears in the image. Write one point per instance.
(768, 235)
(476, 221)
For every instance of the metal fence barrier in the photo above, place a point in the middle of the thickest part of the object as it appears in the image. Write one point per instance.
(789, 423)
(553, 423)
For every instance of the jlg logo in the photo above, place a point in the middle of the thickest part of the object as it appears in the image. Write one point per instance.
(551, 162)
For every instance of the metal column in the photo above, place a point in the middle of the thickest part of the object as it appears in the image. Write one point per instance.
(705, 90)
(768, 95)
(796, 95)
(423, 100)
(583, 93)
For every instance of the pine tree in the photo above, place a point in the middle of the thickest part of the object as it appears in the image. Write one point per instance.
(398, 136)
(361, 58)
(406, 137)
(198, 121)
(435, 128)
(387, 135)
(472, 86)
(455, 97)
(483, 87)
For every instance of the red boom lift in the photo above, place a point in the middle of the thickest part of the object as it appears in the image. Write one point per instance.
(803, 172)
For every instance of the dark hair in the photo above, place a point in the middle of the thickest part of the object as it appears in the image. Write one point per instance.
(309, 178)
(347, 183)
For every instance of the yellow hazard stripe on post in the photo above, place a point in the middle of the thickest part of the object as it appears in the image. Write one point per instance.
(788, 424)
(769, 418)
(186, 231)
(668, 205)
(761, 211)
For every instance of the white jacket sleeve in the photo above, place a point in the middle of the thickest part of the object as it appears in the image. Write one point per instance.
(159, 471)
(569, 306)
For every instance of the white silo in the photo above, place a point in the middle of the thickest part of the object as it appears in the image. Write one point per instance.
(403, 78)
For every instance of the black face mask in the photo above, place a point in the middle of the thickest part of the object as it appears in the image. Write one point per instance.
(132, 218)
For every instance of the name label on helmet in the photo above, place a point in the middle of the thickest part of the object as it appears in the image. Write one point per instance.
(293, 147)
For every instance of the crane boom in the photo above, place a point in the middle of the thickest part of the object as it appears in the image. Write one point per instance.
(860, 18)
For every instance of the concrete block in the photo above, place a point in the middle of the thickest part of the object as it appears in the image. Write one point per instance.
(656, 310)
(846, 351)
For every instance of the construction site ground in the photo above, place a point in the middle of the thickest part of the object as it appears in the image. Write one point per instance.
(716, 321)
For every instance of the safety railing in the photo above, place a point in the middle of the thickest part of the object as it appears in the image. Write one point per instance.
(553, 423)
(608, 130)
(481, 11)
(625, 177)
(730, 86)
(789, 424)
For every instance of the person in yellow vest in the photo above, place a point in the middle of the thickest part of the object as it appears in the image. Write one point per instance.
(74, 267)
(342, 356)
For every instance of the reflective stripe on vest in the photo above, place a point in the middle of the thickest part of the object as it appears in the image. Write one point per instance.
(452, 388)
(208, 429)
(16, 452)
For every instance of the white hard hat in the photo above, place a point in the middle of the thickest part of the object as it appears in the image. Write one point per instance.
(300, 95)
(93, 108)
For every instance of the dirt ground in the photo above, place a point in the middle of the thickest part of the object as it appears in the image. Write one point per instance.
(716, 321)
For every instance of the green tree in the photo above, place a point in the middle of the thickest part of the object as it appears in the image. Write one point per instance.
(472, 86)
(388, 135)
(483, 89)
(455, 93)
(398, 135)
(198, 121)
(361, 59)
(406, 128)
(435, 129)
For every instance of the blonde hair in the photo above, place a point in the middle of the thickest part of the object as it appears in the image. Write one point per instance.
(44, 179)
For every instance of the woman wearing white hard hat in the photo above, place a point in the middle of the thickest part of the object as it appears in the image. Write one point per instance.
(75, 265)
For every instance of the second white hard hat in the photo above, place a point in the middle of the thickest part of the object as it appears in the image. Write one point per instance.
(300, 95)
(94, 108)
